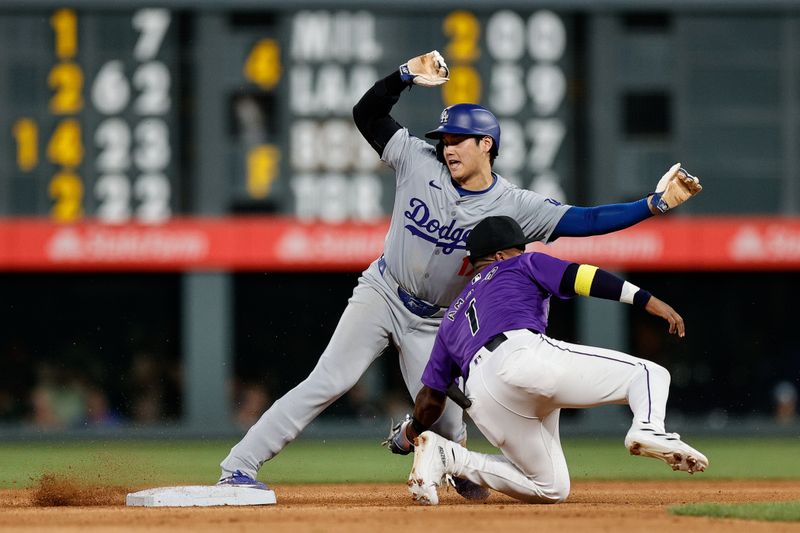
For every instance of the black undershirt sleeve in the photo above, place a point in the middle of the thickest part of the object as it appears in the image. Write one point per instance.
(371, 113)
(601, 284)
(567, 285)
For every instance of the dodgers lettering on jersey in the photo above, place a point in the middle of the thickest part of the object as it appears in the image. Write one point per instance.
(425, 248)
(421, 224)
(508, 295)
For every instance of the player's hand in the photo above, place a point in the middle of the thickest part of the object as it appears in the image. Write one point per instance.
(428, 70)
(398, 441)
(658, 308)
(674, 188)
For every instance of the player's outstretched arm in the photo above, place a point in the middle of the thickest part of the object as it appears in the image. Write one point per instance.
(674, 188)
(588, 280)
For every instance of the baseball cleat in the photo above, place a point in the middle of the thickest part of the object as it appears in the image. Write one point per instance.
(665, 446)
(240, 479)
(470, 490)
(432, 458)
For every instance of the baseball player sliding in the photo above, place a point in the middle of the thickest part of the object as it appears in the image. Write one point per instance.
(518, 379)
(442, 193)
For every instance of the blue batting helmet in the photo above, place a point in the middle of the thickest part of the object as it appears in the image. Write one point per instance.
(467, 119)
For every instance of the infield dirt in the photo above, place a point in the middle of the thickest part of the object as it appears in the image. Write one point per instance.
(57, 505)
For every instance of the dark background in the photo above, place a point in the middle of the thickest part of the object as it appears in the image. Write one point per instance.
(99, 330)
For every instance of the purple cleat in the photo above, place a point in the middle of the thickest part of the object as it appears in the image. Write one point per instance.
(469, 490)
(240, 479)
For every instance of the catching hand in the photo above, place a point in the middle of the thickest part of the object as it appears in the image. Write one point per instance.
(674, 188)
(428, 70)
(658, 308)
(397, 440)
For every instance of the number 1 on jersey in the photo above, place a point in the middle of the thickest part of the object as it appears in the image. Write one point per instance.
(474, 326)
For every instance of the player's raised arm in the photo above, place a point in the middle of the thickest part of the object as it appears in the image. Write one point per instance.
(588, 280)
(371, 113)
(674, 188)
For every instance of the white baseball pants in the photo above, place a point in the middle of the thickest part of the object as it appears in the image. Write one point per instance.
(517, 393)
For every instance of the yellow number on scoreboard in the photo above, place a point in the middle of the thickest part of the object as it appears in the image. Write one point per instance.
(26, 133)
(65, 27)
(66, 189)
(464, 86)
(65, 147)
(66, 79)
(263, 65)
(464, 30)
(262, 169)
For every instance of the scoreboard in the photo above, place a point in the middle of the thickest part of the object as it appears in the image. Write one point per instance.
(121, 114)
(513, 63)
(90, 112)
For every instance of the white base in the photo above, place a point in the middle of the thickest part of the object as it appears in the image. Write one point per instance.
(200, 496)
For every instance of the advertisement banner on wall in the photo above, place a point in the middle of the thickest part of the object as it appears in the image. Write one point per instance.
(284, 244)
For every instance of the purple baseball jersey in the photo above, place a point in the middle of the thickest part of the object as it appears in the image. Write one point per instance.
(511, 294)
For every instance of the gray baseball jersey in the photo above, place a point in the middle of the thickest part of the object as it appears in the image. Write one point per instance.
(425, 246)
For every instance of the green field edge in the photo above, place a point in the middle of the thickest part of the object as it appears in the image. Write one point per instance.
(143, 463)
(788, 511)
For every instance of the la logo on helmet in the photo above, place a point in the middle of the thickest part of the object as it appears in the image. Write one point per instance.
(444, 116)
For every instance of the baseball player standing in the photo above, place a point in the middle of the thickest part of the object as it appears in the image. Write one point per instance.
(442, 193)
(518, 378)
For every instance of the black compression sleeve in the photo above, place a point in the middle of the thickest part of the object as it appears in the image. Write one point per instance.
(567, 285)
(371, 113)
(606, 285)
(641, 298)
(588, 280)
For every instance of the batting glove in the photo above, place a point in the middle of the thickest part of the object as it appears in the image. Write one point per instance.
(428, 70)
(397, 441)
(674, 188)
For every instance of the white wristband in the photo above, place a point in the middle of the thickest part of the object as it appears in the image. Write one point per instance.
(628, 291)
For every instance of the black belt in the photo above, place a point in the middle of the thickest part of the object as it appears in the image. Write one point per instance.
(500, 338)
